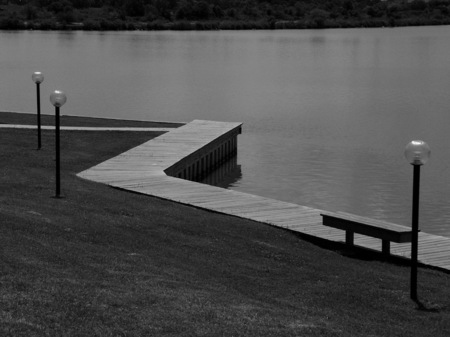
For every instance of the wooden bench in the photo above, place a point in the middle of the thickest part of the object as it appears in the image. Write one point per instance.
(387, 232)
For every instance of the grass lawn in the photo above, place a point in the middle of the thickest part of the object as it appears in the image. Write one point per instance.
(31, 119)
(104, 262)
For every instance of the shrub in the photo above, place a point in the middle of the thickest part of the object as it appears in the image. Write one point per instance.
(90, 24)
(11, 21)
(30, 12)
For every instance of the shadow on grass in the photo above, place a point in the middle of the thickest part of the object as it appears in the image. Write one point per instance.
(364, 254)
(429, 307)
(355, 252)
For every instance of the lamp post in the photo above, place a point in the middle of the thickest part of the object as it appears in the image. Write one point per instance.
(57, 98)
(417, 153)
(38, 78)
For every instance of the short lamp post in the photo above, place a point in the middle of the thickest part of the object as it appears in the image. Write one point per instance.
(57, 98)
(38, 78)
(417, 153)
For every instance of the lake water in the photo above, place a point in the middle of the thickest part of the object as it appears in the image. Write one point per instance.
(326, 113)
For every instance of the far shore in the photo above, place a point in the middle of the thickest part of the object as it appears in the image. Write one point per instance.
(102, 15)
(226, 25)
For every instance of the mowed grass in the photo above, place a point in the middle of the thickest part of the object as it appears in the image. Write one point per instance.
(31, 119)
(105, 262)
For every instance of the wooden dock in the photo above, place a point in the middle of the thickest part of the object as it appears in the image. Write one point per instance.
(164, 167)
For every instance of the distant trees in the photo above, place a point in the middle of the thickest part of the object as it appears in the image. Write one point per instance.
(134, 8)
(194, 10)
(214, 14)
(319, 16)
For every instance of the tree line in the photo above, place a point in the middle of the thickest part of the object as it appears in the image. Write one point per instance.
(219, 14)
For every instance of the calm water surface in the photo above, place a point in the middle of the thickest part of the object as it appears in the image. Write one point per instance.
(326, 113)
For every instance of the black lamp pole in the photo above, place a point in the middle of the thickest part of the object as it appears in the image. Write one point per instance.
(38, 78)
(57, 151)
(415, 231)
(38, 94)
(57, 98)
(417, 152)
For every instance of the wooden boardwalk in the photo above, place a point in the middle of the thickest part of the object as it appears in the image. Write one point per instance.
(143, 170)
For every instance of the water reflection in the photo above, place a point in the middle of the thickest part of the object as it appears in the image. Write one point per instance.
(226, 175)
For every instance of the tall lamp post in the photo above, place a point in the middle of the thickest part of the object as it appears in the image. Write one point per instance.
(417, 153)
(57, 98)
(38, 78)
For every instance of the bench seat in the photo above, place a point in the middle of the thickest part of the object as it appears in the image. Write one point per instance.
(386, 231)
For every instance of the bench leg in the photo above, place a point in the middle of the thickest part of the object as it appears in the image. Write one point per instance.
(349, 238)
(386, 247)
